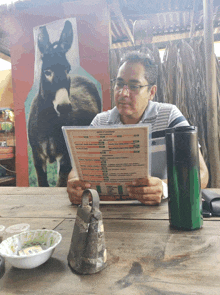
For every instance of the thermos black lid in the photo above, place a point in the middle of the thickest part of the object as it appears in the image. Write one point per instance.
(181, 129)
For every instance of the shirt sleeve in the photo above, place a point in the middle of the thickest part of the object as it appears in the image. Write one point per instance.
(95, 121)
(176, 118)
(101, 119)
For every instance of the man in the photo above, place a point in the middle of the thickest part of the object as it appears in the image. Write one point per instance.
(134, 91)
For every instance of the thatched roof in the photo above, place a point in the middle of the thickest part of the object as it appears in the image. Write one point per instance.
(158, 21)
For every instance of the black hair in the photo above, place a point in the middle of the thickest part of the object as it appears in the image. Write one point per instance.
(144, 59)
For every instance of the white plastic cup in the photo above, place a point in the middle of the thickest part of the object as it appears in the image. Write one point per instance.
(16, 229)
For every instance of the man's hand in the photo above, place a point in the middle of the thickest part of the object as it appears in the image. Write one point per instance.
(75, 188)
(148, 191)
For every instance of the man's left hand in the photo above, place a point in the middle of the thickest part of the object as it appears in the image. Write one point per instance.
(148, 191)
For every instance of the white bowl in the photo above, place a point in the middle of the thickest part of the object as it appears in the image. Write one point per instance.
(47, 239)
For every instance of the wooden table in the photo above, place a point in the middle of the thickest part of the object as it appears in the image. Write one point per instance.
(145, 256)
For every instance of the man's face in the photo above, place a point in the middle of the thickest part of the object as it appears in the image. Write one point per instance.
(131, 104)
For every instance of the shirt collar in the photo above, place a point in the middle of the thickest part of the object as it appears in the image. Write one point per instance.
(114, 117)
(150, 112)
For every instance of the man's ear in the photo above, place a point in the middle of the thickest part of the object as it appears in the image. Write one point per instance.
(153, 91)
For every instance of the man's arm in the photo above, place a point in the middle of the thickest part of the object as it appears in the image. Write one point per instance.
(150, 191)
(75, 188)
(204, 173)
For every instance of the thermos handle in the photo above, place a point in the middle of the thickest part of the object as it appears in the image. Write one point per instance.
(95, 198)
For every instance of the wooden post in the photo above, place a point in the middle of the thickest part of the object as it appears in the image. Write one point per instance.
(212, 119)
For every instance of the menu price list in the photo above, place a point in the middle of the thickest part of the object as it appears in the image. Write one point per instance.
(110, 157)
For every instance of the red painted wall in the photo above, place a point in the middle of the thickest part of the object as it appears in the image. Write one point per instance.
(93, 35)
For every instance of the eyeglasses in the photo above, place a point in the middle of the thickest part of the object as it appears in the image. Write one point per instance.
(132, 87)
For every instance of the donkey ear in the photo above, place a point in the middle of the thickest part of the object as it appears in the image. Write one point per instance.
(66, 37)
(43, 40)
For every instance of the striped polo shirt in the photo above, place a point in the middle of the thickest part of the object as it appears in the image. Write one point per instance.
(160, 116)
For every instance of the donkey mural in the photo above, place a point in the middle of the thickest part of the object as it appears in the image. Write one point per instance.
(61, 101)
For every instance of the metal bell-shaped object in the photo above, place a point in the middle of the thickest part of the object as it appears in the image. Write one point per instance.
(87, 254)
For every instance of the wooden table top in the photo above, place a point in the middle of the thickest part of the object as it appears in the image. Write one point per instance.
(144, 255)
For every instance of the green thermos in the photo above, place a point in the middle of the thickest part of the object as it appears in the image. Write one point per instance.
(184, 192)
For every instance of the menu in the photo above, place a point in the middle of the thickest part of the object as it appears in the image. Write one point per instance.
(109, 157)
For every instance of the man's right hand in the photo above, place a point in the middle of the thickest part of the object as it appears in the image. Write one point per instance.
(75, 188)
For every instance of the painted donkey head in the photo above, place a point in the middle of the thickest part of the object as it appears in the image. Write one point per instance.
(55, 82)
